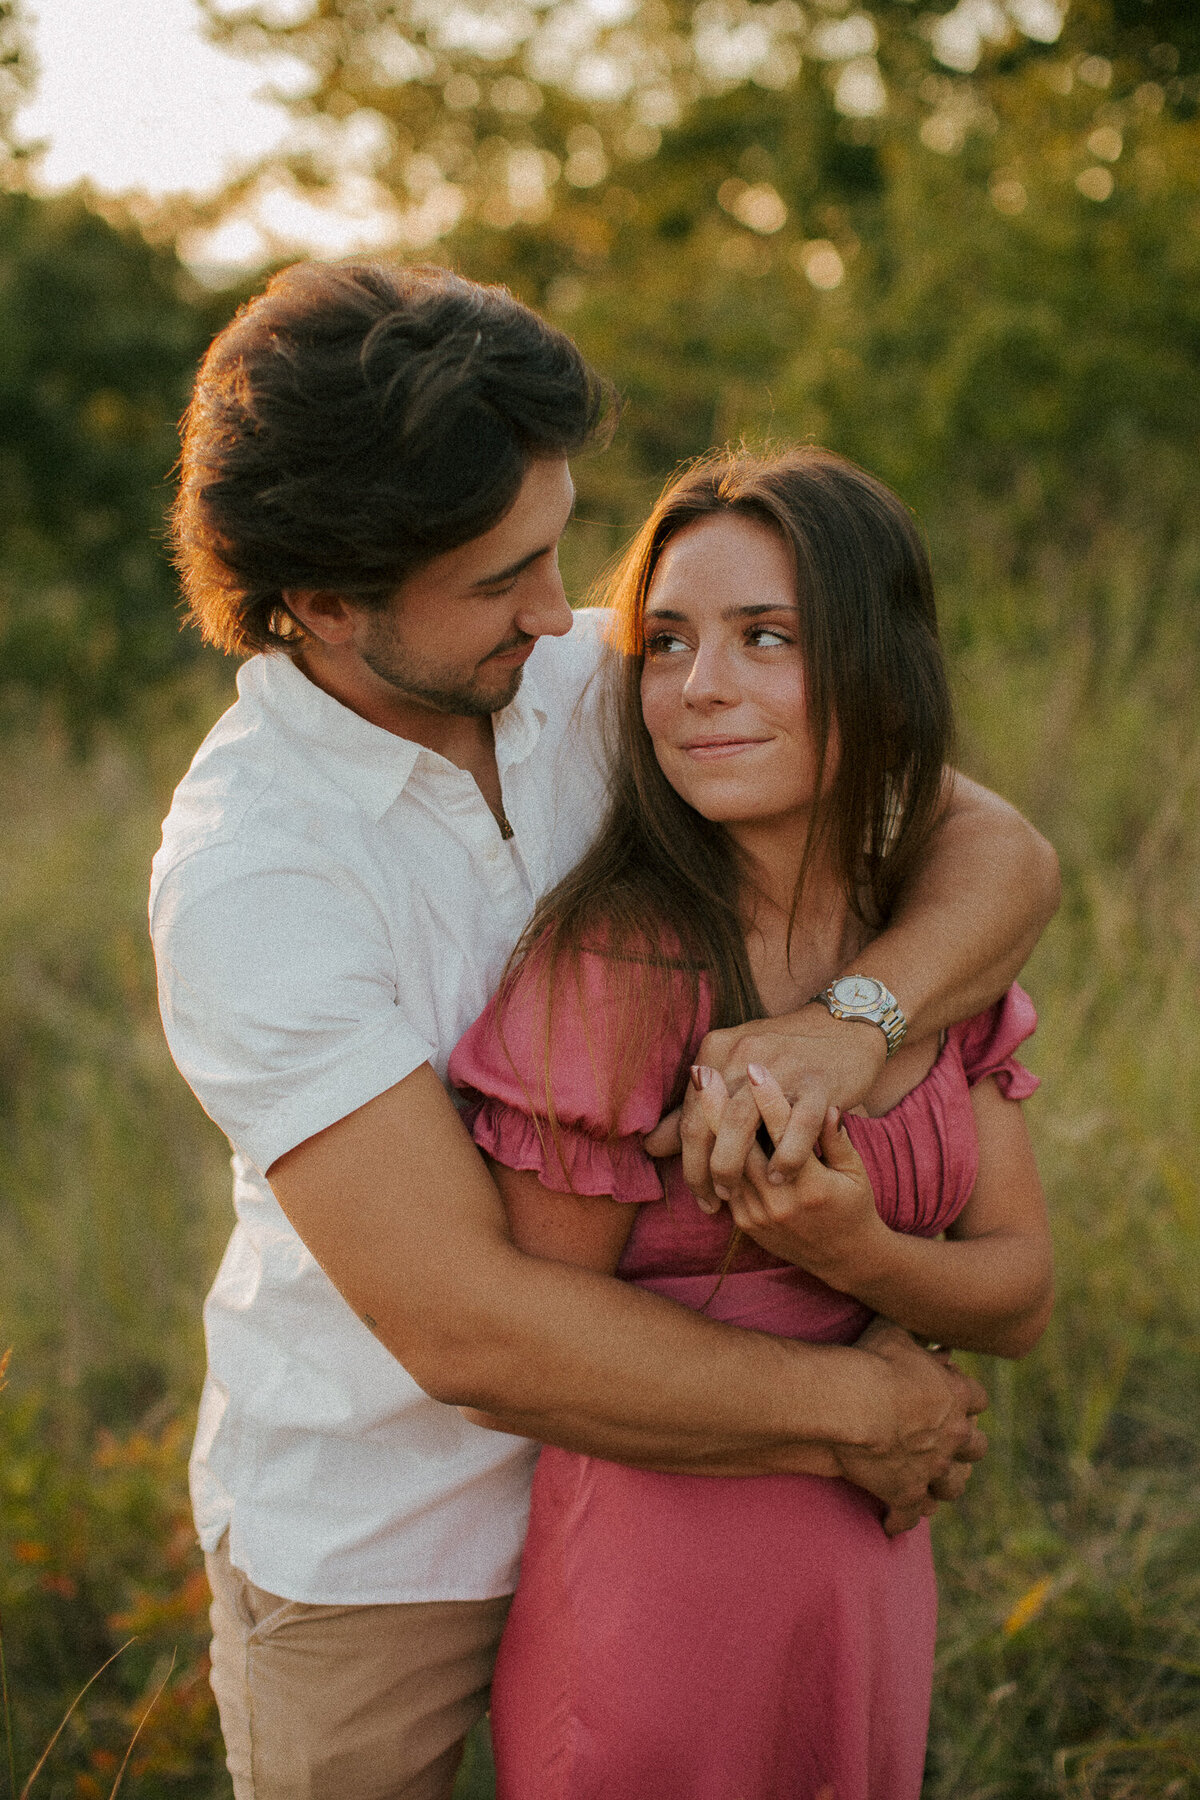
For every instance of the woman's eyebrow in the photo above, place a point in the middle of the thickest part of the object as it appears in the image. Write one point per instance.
(754, 609)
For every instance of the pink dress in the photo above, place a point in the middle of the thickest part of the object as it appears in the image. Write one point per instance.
(686, 1637)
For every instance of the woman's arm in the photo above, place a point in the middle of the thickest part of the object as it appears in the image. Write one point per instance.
(987, 1286)
(586, 1230)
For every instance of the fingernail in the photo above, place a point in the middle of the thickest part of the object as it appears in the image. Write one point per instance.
(775, 1177)
(837, 1117)
(722, 1193)
(756, 1073)
(701, 1076)
(705, 1207)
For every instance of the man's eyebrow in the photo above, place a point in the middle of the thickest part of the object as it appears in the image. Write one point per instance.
(512, 570)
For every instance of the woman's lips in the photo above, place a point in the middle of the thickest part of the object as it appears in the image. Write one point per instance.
(712, 749)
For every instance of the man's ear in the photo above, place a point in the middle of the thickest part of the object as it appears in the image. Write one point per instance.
(323, 614)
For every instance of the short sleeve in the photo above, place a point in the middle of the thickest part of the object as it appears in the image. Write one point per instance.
(551, 1087)
(278, 996)
(987, 1042)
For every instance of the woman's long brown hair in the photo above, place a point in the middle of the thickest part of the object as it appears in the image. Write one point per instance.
(660, 891)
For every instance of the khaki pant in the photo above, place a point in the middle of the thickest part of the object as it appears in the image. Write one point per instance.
(346, 1702)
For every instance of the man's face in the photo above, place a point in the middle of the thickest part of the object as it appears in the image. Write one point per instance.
(456, 637)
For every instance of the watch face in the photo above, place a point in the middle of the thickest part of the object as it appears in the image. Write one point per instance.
(857, 991)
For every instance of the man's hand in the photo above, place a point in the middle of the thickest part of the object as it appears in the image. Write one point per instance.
(818, 1061)
(928, 1439)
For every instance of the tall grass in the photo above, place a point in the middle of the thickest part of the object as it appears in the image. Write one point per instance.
(114, 1200)
(1070, 1644)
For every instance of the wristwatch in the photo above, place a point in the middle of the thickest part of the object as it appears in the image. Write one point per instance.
(862, 997)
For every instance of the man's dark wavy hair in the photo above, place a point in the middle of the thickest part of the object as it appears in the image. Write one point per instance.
(354, 421)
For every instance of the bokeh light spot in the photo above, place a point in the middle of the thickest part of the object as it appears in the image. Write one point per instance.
(1106, 142)
(1008, 195)
(1095, 183)
(820, 262)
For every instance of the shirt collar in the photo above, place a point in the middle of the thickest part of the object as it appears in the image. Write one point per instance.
(518, 728)
(370, 764)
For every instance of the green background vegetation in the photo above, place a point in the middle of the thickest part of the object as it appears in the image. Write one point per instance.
(1014, 342)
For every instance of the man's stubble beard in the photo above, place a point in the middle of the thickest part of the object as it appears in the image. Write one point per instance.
(471, 699)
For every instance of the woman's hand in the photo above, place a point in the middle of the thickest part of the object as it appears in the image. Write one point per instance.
(819, 1062)
(823, 1219)
(986, 1285)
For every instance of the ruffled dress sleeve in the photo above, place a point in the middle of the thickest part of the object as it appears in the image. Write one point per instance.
(549, 1086)
(986, 1044)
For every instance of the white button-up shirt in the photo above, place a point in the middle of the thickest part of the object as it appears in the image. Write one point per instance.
(331, 907)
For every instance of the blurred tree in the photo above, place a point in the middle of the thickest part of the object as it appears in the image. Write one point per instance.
(499, 110)
(17, 72)
(925, 236)
(101, 335)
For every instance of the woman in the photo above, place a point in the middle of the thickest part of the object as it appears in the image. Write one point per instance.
(782, 726)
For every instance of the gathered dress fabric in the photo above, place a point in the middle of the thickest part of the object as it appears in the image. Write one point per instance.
(690, 1637)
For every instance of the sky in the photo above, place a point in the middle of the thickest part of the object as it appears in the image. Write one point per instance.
(132, 98)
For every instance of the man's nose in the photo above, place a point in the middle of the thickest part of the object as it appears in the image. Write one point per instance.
(545, 612)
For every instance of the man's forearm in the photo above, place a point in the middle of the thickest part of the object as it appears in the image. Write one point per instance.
(894, 1421)
(577, 1359)
(397, 1206)
(969, 917)
(741, 1403)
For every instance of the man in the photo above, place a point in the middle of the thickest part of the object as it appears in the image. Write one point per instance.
(375, 481)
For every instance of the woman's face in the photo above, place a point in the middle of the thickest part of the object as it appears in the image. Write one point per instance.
(723, 686)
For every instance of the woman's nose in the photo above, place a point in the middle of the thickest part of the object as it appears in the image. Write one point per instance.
(709, 681)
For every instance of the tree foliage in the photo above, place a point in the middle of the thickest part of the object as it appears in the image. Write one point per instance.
(959, 243)
(757, 217)
(17, 74)
(101, 335)
(502, 110)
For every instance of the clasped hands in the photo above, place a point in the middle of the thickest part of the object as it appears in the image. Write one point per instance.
(822, 1218)
(811, 1203)
(816, 1065)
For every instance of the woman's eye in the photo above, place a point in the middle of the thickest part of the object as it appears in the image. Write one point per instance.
(765, 637)
(663, 641)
